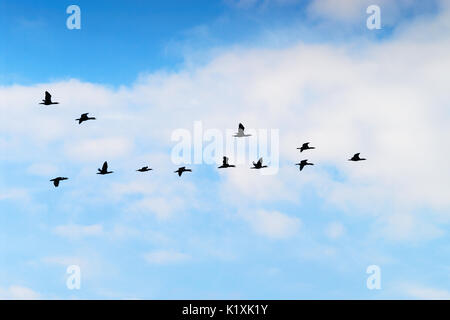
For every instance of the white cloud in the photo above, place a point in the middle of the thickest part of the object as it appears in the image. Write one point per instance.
(42, 169)
(387, 101)
(426, 293)
(163, 257)
(16, 292)
(74, 231)
(273, 224)
(335, 230)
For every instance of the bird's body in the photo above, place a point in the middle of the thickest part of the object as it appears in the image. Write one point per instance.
(181, 170)
(104, 169)
(48, 99)
(57, 180)
(305, 146)
(356, 158)
(259, 164)
(84, 117)
(304, 163)
(144, 169)
(240, 132)
(225, 164)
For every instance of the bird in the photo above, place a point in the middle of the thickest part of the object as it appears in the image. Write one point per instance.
(304, 163)
(240, 132)
(57, 180)
(305, 146)
(48, 99)
(258, 165)
(84, 117)
(225, 164)
(144, 169)
(181, 170)
(104, 169)
(356, 158)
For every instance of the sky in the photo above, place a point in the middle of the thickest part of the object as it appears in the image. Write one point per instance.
(308, 71)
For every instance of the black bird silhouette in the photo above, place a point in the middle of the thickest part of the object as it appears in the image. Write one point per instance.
(56, 181)
(104, 169)
(304, 163)
(225, 164)
(48, 99)
(181, 170)
(240, 132)
(356, 158)
(144, 169)
(84, 117)
(305, 146)
(258, 165)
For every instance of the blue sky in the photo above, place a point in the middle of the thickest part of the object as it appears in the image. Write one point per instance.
(310, 69)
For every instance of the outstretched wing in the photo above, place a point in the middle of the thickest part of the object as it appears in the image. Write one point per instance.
(56, 182)
(48, 96)
(241, 127)
(84, 115)
(356, 155)
(260, 161)
(305, 145)
(105, 166)
(225, 161)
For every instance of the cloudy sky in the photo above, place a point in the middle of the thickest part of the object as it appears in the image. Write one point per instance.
(310, 69)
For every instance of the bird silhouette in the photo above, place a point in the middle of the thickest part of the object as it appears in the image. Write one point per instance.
(304, 163)
(84, 117)
(258, 165)
(356, 158)
(181, 170)
(57, 180)
(48, 99)
(144, 169)
(225, 164)
(104, 169)
(305, 146)
(240, 132)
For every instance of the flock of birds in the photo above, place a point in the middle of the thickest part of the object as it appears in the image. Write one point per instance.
(241, 133)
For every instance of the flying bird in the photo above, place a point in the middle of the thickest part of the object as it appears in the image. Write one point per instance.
(56, 181)
(258, 165)
(225, 164)
(181, 170)
(104, 169)
(304, 163)
(356, 158)
(240, 132)
(48, 99)
(305, 146)
(144, 169)
(84, 117)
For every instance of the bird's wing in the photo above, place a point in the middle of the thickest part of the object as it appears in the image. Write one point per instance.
(48, 96)
(84, 115)
(357, 155)
(56, 182)
(305, 145)
(260, 161)
(179, 173)
(225, 160)
(241, 126)
(105, 166)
